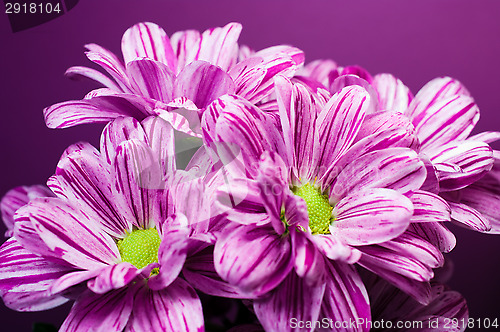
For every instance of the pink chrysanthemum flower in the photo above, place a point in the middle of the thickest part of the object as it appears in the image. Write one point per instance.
(176, 77)
(116, 236)
(316, 200)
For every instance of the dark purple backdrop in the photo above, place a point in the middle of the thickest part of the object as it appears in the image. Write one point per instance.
(416, 42)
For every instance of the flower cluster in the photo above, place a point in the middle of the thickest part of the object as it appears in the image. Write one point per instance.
(315, 193)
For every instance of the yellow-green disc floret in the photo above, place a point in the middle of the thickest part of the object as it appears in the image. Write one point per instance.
(318, 208)
(140, 248)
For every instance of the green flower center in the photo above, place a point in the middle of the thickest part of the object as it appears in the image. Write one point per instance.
(318, 208)
(140, 248)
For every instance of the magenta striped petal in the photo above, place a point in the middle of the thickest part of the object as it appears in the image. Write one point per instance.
(339, 122)
(100, 312)
(255, 259)
(394, 168)
(117, 131)
(378, 141)
(466, 216)
(185, 45)
(473, 159)
(176, 308)
(73, 279)
(292, 299)
(110, 63)
(199, 271)
(202, 83)
(152, 79)
(446, 120)
(435, 233)
(428, 207)
(485, 200)
(486, 137)
(345, 298)
(397, 262)
(150, 41)
(178, 122)
(98, 109)
(371, 216)
(219, 46)
(85, 179)
(434, 91)
(77, 71)
(393, 95)
(171, 254)
(309, 262)
(15, 199)
(160, 135)
(413, 246)
(298, 114)
(296, 54)
(113, 277)
(381, 121)
(353, 80)
(334, 249)
(25, 279)
(139, 180)
(71, 235)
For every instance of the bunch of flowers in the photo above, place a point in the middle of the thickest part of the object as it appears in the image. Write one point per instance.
(316, 193)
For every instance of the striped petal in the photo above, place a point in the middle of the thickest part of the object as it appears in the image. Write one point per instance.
(339, 122)
(25, 279)
(466, 216)
(202, 83)
(394, 168)
(176, 308)
(113, 277)
(353, 80)
(298, 113)
(322, 71)
(100, 312)
(438, 89)
(71, 235)
(309, 262)
(117, 131)
(381, 121)
(16, 198)
(393, 95)
(292, 299)
(446, 120)
(345, 299)
(77, 71)
(255, 259)
(429, 207)
(151, 79)
(219, 46)
(435, 233)
(110, 63)
(160, 136)
(371, 216)
(334, 249)
(139, 180)
(84, 178)
(150, 41)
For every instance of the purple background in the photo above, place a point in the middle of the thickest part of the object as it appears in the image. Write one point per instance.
(415, 41)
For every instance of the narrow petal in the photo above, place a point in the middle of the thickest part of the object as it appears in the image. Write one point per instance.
(77, 71)
(176, 308)
(152, 79)
(429, 207)
(353, 80)
(339, 122)
(436, 233)
(113, 277)
(323, 71)
(309, 261)
(371, 216)
(255, 259)
(438, 89)
(381, 121)
(394, 168)
(466, 216)
(446, 120)
(292, 299)
(150, 41)
(71, 235)
(345, 298)
(185, 45)
(103, 313)
(16, 198)
(219, 46)
(139, 180)
(25, 279)
(160, 134)
(110, 63)
(334, 249)
(393, 95)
